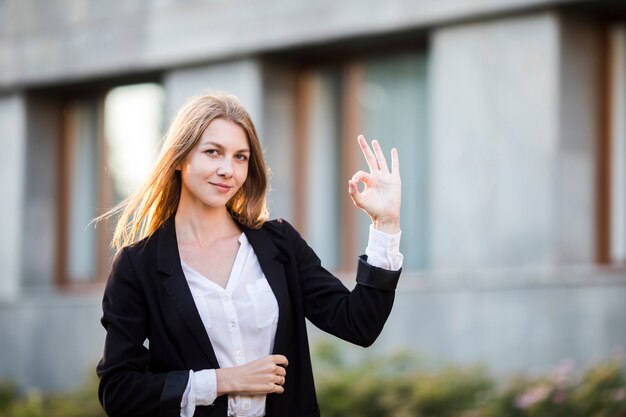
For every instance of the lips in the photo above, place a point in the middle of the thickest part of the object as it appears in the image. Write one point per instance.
(224, 188)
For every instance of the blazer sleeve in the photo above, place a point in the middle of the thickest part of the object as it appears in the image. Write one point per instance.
(126, 386)
(357, 316)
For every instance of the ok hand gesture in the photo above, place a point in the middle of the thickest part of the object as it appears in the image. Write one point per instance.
(380, 198)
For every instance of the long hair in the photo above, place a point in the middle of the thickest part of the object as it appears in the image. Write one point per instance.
(157, 199)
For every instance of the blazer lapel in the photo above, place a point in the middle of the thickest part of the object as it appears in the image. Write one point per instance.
(274, 271)
(168, 263)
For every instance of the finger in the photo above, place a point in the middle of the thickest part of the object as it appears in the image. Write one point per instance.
(395, 163)
(355, 195)
(280, 360)
(363, 177)
(280, 371)
(380, 156)
(367, 153)
(353, 186)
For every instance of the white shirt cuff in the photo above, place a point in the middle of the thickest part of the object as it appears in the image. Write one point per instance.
(201, 390)
(383, 250)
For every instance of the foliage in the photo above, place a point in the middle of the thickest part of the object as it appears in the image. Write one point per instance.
(599, 392)
(8, 392)
(397, 386)
(401, 386)
(82, 402)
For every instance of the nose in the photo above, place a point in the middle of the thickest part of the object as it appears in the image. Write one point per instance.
(225, 169)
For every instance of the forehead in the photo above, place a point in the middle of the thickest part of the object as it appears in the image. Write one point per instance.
(225, 133)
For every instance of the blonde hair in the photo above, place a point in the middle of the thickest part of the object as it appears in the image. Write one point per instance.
(157, 199)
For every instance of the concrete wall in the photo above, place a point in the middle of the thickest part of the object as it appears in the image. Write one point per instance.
(494, 145)
(509, 320)
(242, 78)
(50, 341)
(514, 127)
(73, 39)
(12, 173)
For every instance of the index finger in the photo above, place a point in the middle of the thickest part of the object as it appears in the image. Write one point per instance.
(280, 360)
(380, 156)
(368, 154)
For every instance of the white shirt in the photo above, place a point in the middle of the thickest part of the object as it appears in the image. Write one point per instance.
(241, 319)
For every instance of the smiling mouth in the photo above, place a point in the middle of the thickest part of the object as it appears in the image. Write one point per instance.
(221, 187)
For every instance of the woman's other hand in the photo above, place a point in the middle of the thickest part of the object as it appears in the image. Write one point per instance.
(380, 198)
(262, 376)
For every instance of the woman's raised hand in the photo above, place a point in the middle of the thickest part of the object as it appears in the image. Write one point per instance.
(380, 198)
(262, 376)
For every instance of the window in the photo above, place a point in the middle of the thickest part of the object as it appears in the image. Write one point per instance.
(82, 152)
(109, 143)
(616, 152)
(383, 98)
(393, 105)
(321, 167)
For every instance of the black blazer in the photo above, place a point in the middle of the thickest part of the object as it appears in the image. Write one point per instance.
(147, 297)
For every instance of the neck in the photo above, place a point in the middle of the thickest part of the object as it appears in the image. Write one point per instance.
(203, 225)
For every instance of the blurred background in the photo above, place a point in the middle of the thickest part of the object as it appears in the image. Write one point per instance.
(510, 118)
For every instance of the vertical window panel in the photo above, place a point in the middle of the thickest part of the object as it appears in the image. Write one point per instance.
(133, 122)
(110, 143)
(617, 161)
(83, 189)
(322, 224)
(393, 102)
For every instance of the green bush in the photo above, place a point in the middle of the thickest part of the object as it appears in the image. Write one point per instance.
(599, 392)
(401, 386)
(82, 402)
(397, 386)
(8, 393)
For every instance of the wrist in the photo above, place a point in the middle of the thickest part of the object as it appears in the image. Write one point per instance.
(390, 226)
(225, 382)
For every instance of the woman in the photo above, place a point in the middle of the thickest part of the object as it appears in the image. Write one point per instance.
(206, 301)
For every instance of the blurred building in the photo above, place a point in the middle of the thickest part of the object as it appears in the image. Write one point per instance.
(510, 116)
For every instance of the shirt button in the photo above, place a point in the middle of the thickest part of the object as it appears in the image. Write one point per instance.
(238, 352)
(246, 406)
(233, 323)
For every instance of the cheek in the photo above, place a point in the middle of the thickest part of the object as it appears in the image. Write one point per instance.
(187, 174)
(242, 174)
(186, 168)
(184, 173)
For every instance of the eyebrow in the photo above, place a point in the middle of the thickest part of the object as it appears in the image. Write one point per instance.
(219, 146)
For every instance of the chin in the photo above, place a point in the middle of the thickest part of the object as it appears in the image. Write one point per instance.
(217, 202)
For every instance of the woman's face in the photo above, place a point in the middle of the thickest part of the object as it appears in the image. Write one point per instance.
(217, 166)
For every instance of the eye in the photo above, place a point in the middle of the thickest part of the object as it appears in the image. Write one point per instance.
(241, 157)
(212, 152)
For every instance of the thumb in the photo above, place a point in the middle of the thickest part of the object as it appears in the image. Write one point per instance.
(355, 194)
